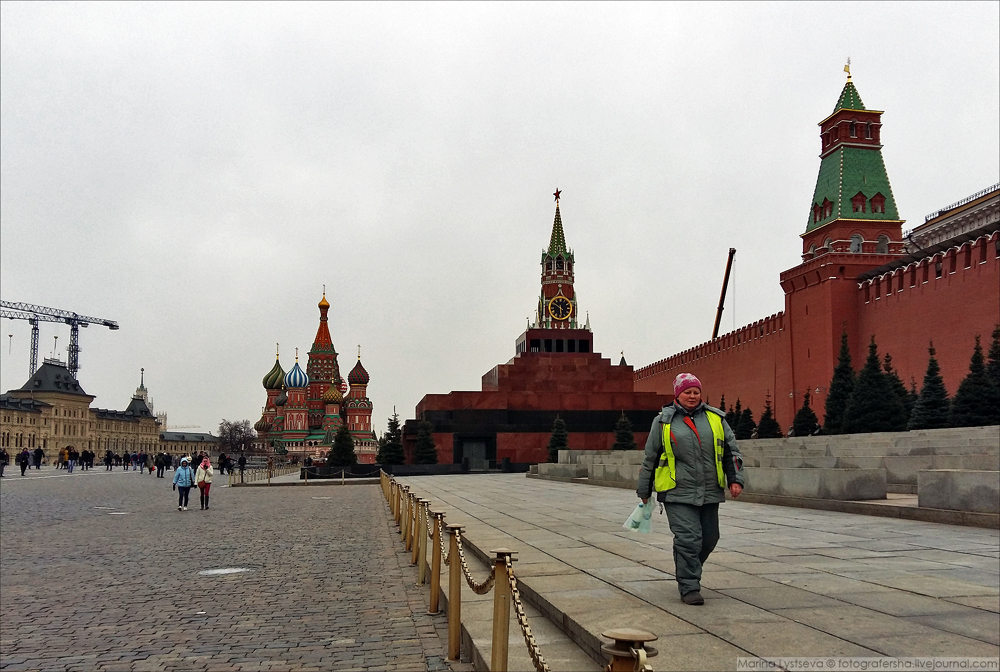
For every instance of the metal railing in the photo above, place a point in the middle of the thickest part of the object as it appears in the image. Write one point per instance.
(417, 524)
(259, 474)
(967, 199)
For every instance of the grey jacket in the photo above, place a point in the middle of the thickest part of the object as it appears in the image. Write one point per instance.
(697, 482)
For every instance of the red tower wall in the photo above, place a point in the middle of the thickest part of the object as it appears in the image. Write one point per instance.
(796, 351)
(950, 311)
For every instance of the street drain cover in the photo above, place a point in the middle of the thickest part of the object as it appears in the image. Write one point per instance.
(223, 570)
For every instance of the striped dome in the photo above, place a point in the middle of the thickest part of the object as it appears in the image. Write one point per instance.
(333, 395)
(281, 399)
(296, 377)
(358, 375)
(274, 377)
(262, 425)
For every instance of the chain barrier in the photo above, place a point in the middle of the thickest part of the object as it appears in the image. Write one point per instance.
(445, 555)
(522, 620)
(477, 588)
(480, 588)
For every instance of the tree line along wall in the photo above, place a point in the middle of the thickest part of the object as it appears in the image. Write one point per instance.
(949, 297)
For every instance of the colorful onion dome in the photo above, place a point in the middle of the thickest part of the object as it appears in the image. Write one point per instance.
(274, 377)
(296, 377)
(333, 395)
(262, 425)
(323, 303)
(358, 375)
(282, 398)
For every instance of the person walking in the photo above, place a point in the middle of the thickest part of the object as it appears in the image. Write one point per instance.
(183, 482)
(24, 459)
(108, 459)
(690, 457)
(70, 458)
(38, 455)
(4, 458)
(243, 465)
(204, 481)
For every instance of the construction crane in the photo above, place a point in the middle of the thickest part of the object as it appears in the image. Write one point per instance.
(35, 314)
(722, 297)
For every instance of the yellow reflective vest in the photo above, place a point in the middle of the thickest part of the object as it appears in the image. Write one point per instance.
(665, 476)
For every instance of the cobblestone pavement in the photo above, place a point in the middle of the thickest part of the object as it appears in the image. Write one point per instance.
(100, 571)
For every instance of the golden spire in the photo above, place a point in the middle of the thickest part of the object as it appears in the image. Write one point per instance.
(296, 355)
(847, 68)
(359, 353)
(277, 351)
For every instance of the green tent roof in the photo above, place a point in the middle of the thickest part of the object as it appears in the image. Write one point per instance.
(850, 99)
(845, 172)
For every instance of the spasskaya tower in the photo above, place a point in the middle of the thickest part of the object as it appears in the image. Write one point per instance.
(556, 327)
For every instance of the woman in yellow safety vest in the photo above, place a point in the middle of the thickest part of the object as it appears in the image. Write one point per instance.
(691, 457)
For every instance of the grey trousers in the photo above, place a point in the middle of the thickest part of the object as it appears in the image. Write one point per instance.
(696, 532)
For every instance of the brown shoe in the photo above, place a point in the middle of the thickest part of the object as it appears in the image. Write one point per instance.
(693, 598)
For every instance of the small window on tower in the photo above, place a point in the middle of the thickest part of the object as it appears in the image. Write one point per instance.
(827, 208)
(858, 202)
(854, 130)
(569, 265)
(868, 131)
(559, 263)
(817, 212)
(878, 203)
(882, 245)
(856, 241)
(548, 265)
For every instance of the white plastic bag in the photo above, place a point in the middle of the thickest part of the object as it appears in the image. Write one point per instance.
(639, 521)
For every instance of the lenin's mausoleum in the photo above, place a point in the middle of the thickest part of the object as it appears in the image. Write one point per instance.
(859, 273)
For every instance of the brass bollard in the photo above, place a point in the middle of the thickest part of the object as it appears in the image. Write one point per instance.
(435, 563)
(306, 477)
(454, 595)
(629, 652)
(425, 512)
(403, 512)
(411, 520)
(501, 610)
(419, 532)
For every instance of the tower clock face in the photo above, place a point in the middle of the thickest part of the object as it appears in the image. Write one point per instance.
(560, 308)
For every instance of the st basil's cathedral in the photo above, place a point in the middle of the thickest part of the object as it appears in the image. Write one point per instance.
(304, 409)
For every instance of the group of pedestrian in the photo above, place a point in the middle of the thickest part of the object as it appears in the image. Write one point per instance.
(185, 478)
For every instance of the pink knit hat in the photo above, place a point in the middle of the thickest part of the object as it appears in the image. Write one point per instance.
(684, 381)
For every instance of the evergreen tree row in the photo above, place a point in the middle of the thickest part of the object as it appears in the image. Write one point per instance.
(877, 400)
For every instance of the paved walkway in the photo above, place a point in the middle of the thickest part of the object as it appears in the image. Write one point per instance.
(782, 582)
(100, 572)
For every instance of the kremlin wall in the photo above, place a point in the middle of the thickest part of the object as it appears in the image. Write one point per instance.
(939, 282)
(860, 273)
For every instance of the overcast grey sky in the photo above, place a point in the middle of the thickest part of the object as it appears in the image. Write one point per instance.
(199, 171)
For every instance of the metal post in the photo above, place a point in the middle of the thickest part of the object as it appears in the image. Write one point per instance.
(418, 533)
(501, 610)
(403, 516)
(629, 652)
(435, 563)
(454, 595)
(422, 554)
(342, 472)
(306, 476)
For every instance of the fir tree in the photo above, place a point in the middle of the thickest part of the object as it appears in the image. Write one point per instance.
(392, 452)
(931, 409)
(425, 452)
(624, 436)
(806, 422)
(559, 439)
(722, 404)
(745, 426)
(873, 405)
(733, 416)
(993, 358)
(841, 386)
(768, 428)
(342, 452)
(977, 401)
(900, 389)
